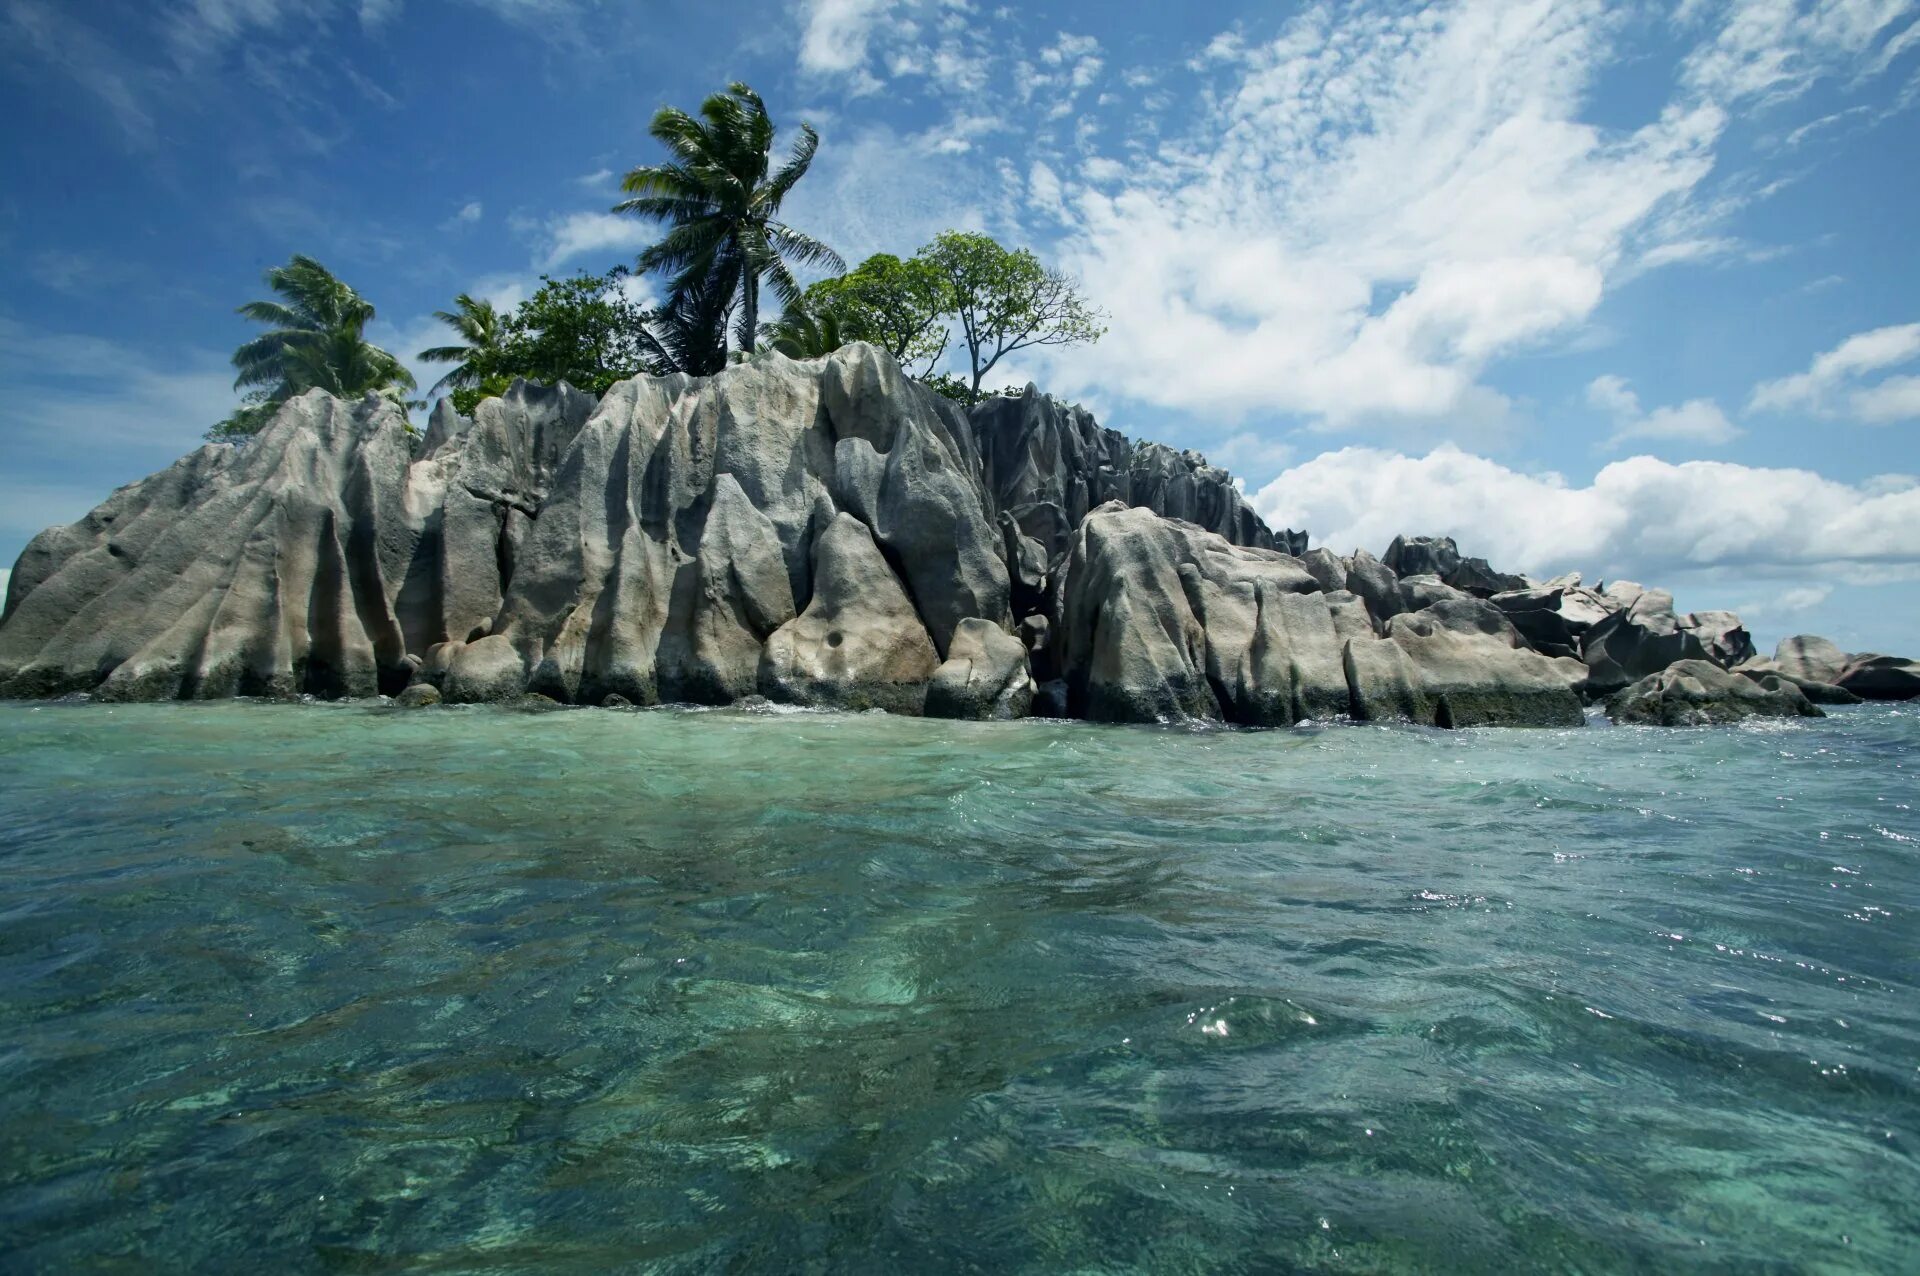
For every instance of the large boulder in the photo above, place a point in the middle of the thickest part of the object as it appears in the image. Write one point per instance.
(1818, 692)
(1725, 640)
(1163, 621)
(1693, 693)
(1642, 638)
(985, 675)
(1811, 657)
(1047, 463)
(859, 644)
(1438, 556)
(1475, 670)
(1876, 677)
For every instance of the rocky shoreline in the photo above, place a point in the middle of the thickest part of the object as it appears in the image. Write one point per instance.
(828, 533)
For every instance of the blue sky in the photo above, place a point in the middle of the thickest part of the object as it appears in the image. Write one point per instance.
(1632, 289)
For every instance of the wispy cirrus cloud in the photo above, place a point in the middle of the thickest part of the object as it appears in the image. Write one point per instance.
(1839, 381)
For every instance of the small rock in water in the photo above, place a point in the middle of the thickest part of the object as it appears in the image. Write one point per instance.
(614, 700)
(419, 696)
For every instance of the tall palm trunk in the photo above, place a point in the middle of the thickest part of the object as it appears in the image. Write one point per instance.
(750, 315)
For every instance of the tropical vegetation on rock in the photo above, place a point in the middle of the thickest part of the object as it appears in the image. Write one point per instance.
(717, 198)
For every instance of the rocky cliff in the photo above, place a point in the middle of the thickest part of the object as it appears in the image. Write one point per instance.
(821, 533)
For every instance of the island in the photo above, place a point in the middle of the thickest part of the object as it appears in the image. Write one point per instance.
(827, 532)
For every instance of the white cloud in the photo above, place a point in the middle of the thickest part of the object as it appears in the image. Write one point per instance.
(877, 191)
(1640, 517)
(835, 37)
(1375, 206)
(1253, 458)
(6, 575)
(469, 212)
(576, 235)
(1833, 385)
(1378, 205)
(1788, 602)
(1772, 50)
(941, 41)
(1695, 421)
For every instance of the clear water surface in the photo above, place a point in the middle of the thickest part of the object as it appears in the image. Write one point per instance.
(341, 988)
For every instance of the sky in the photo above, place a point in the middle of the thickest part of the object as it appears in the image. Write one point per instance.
(1629, 289)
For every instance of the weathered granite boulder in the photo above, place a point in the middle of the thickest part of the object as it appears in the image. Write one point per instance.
(1554, 618)
(1438, 556)
(1725, 640)
(1047, 463)
(985, 675)
(1326, 567)
(1818, 692)
(1476, 670)
(1692, 693)
(1375, 583)
(1163, 621)
(1642, 638)
(859, 644)
(420, 695)
(1811, 657)
(1876, 677)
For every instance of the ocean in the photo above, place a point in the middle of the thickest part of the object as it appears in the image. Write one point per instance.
(339, 987)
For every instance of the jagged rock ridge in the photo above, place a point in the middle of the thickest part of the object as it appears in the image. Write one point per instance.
(827, 532)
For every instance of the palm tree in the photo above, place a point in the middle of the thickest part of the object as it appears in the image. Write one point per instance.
(799, 335)
(721, 209)
(481, 327)
(315, 340)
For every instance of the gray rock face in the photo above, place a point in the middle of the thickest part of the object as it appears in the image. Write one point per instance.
(822, 533)
(1811, 657)
(859, 644)
(1818, 692)
(985, 675)
(1439, 557)
(1694, 693)
(1047, 463)
(1725, 640)
(420, 695)
(1642, 638)
(1164, 621)
(1876, 677)
(1808, 660)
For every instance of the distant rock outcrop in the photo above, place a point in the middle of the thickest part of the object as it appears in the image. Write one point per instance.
(821, 533)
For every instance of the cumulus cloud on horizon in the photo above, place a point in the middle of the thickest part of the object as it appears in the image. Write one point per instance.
(1640, 517)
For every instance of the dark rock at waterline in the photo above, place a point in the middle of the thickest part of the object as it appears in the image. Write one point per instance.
(419, 696)
(985, 675)
(1693, 693)
(1876, 677)
(1642, 638)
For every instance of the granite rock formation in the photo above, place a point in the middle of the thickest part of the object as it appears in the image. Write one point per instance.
(1697, 693)
(825, 533)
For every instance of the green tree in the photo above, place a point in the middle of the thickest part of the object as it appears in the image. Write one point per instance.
(1005, 300)
(898, 305)
(586, 330)
(481, 329)
(315, 340)
(720, 203)
(801, 335)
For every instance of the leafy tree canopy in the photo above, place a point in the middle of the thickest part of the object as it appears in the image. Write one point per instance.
(895, 304)
(314, 340)
(587, 330)
(1004, 300)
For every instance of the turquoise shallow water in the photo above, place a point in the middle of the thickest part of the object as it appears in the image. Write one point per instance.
(337, 988)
